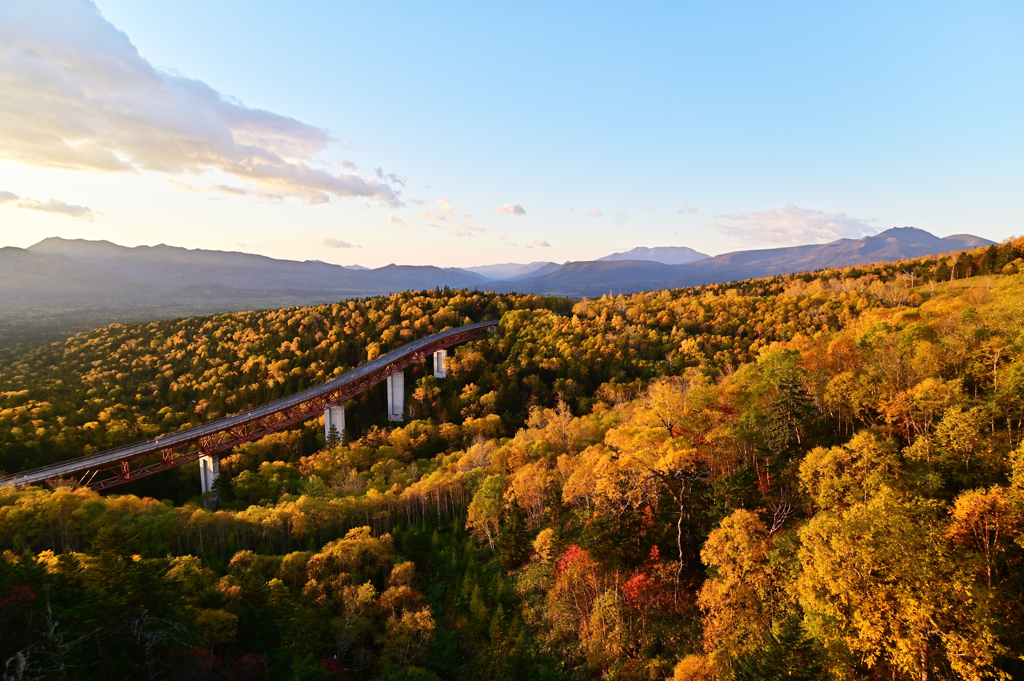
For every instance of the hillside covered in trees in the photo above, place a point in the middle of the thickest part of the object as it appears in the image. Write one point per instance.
(815, 476)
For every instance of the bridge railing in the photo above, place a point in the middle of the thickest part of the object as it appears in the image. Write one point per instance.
(133, 461)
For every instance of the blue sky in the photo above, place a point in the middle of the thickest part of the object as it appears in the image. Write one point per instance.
(718, 126)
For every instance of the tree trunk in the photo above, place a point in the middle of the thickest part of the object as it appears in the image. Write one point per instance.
(679, 545)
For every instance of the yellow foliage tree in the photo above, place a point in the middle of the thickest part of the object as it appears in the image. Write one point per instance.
(879, 581)
(744, 594)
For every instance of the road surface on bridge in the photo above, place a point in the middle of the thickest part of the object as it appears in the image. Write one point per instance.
(131, 462)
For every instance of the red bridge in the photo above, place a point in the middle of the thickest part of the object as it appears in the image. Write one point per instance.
(206, 442)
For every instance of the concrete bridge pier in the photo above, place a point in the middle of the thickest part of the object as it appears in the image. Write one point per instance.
(396, 396)
(439, 358)
(209, 469)
(334, 417)
(174, 449)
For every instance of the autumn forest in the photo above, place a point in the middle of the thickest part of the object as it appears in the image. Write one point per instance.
(813, 476)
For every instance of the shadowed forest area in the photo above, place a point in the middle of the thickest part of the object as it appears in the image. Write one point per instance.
(815, 476)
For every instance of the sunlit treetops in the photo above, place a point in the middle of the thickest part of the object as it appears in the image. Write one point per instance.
(804, 476)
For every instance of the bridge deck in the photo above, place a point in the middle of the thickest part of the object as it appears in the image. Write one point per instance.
(223, 434)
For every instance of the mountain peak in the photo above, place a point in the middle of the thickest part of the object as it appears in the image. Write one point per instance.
(667, 255)
(59, 243)
(903, 234)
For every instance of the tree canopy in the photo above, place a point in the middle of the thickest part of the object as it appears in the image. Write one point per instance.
(811, 476)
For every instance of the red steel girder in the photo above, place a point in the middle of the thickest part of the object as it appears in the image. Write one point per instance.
(122, 471)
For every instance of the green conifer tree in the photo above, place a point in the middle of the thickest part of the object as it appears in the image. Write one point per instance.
(514, 542)
(787, 655)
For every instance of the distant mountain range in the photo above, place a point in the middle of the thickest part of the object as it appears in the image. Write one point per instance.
(98, 282)
(511, 270)
(629, 276)
(170, 266)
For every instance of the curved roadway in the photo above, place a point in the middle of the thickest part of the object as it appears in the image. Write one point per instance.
(112, 457)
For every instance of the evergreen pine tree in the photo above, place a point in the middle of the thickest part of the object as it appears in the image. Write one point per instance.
(333, 437)
(788, 414)
(787, 655)
(223, 488)
(478, 608)
(497, 625)
(988, 260)
(514, 542)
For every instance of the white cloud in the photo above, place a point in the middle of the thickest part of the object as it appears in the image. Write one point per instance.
(78, 95)
(510, 209)
(540, 243)
(8, 196)
(59, 207)
(445, 207)
(448, 220)
(224, 189)
(793, 225)
(687, 208)
(594, 213)
(331, 242)
(395, 221)
(231, 190)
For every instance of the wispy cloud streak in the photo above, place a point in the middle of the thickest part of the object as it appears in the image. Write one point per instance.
(59, 207)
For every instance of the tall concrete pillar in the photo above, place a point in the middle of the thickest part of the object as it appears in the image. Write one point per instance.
(209, 469)
(439, 358)
(334, 416)
(396, 396)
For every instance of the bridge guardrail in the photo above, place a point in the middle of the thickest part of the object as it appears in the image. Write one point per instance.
(175, 449)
